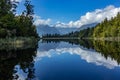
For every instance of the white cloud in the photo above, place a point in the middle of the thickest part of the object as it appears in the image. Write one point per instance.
(95, 16)
(17, 0)
(40, 21)
(92, 17)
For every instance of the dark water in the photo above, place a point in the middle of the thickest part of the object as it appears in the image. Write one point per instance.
(62, 60)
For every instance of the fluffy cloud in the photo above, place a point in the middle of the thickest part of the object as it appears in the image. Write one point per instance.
(92, 17)
(17, 0)
(95, 16)
(40, 21)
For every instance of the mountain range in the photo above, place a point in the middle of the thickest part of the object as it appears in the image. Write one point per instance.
(46, 29)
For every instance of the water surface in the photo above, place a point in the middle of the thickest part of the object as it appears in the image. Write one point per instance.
(63, 60)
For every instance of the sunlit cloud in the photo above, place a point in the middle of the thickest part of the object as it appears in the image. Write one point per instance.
(17, 0)
(95, 16)
(39, 21)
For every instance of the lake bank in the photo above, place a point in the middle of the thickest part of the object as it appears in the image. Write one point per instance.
(103, 38)
(19, 42)
(88, 38)
(57, 38)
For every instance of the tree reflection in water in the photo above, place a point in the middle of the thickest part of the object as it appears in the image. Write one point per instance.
(108, 49)
(10, 57)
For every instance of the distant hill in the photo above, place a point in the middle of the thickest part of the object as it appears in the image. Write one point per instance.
(46, 29)
(66, 30)
(87, 26)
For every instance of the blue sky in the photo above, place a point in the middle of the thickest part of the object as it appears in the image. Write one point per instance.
(67, 10)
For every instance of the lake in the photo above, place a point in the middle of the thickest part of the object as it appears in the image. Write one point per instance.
(62, 60)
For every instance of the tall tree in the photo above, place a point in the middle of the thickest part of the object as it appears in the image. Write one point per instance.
(29, 8)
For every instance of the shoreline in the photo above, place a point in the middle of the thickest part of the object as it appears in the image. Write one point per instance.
(85, 38)
(103, 39)
(18, 41)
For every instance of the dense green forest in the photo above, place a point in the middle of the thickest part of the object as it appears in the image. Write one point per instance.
(12, 25)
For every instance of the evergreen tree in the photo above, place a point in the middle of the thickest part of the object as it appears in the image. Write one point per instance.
(15, 26)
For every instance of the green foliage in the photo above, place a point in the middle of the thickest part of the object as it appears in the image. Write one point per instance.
(16, 26)
(86, 33)
(29, 8)
(5, 7)
(108, 28)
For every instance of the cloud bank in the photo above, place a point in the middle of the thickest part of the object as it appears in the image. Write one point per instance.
(17, 0)
(95, 16)
(40, 21)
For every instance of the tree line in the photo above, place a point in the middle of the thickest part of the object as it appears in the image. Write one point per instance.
(12, 25)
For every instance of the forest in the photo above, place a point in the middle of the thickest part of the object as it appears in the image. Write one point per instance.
(13, 25)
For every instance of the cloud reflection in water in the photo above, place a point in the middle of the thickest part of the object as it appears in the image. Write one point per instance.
(87, 55)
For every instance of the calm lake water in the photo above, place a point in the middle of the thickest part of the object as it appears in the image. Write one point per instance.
(62, 60)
